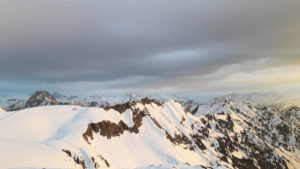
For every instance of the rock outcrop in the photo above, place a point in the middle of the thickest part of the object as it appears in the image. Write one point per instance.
(40, 98)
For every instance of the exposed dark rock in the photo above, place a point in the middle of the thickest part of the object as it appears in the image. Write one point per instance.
(137, 120)
(182, 120)
(149, 101)
(96, 165)
(67, 152)
(76, 159)
(210, 116)
(223, 158)
(243, 163)
(204, 131)
(180, 139)
(194, 111)
(121, 108)
(106, 128)
(221, 113)
(198, 142)
(93, 104)
(203, 121)
(155, 122)
(109, 129)
(40, 98)
(190, 106)
(226, 124)
(226, 146)
(105, 161)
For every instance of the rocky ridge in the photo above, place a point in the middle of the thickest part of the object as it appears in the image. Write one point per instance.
(233, 135)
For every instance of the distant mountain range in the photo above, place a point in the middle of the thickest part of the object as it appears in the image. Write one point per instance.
(11, 103)
(39, 98)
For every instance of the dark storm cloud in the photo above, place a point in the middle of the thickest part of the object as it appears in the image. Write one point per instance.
(69, 41)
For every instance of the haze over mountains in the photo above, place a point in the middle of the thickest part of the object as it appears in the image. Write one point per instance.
(15, 102)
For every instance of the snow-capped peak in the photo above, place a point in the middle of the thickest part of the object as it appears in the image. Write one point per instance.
(40, 98)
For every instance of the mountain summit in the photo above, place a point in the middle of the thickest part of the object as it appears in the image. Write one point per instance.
(40, 98)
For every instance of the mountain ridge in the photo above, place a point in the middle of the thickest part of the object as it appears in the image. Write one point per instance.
(257, 99)
(225, 134)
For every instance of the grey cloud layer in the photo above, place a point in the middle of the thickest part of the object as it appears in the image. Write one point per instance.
(67, 41)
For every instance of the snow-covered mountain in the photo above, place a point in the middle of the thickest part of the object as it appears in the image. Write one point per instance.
(190, 106)
(91, 101)
(260, 99)
(41, 98)
(97, 100)
(12, 103)
(150, 134)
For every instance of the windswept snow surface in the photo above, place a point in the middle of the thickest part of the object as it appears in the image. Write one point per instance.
(35, 137)
(168, 137)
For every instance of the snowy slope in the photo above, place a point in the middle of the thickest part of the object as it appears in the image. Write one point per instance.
(146, 134)
(45, 131)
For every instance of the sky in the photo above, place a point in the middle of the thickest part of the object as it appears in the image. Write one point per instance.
(171, 46)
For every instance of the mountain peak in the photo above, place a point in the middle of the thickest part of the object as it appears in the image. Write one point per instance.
(40, 98)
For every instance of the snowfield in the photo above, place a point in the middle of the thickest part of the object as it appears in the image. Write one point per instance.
(35, 137)
(142, 134)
